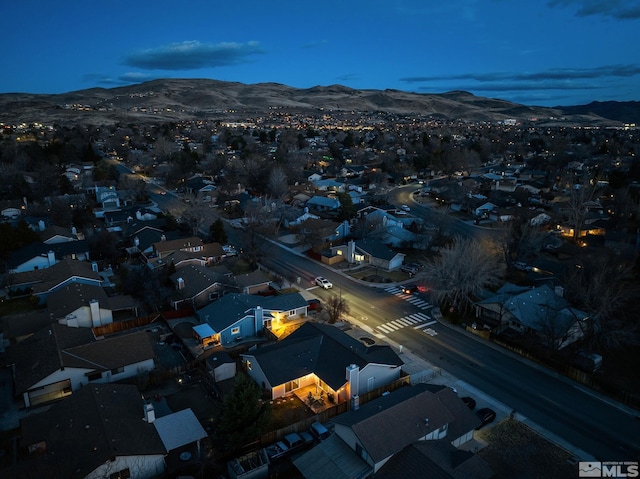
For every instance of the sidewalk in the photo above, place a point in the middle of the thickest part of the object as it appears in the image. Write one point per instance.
(423, 371)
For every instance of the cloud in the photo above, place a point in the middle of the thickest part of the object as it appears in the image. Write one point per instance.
(618, 9)
(124, 79)
(348, 77)
(523, 86)
(192, 55)
(553, 74)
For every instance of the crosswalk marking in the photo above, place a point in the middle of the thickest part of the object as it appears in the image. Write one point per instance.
(415, 300)
(385, 329)
(411, 320)
(416, 320)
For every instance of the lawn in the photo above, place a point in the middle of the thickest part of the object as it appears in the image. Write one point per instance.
(515, 450)
(18, 305)
(288, 410)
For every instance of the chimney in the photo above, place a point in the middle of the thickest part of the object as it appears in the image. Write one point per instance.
(94, 306)
(51, 257)
(41, 225)
(163, 238)
(74, 231)
(149, 413)
(180, 284)
(259, 315)
(94, 266)
(353, 380)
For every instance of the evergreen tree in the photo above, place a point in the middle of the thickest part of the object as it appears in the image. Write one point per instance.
(217, 232)
(244, 419)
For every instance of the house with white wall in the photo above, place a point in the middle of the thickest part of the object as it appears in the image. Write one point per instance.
(386, 428)
(58, 360)
(109, 431)
(87, 306)
(324, 356)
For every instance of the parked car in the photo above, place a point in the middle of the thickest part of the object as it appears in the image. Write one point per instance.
(409, 288)
(314, 305)
(229, 250)
(319, 431)
(486, 416)
(410, 269)
(289, 445)
(323, 282)
(519, 265)
(405, 208)
(469, 402)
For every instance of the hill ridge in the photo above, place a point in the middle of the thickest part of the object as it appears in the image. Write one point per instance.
(179, 99)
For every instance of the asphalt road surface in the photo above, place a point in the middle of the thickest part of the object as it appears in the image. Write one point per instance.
(566, 409)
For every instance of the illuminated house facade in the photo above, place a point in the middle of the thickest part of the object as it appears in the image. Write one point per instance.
(322, 355)
(239, 316)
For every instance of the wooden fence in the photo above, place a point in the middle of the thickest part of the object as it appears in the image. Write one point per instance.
(332, 411)
(119, 326)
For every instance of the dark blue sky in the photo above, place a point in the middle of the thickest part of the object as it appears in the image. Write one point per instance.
(536, 52)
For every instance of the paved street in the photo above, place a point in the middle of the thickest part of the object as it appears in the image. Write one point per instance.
(590, 425)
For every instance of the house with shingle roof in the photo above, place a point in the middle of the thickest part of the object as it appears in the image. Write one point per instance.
(165, 247)
(108, 430)
(409, 415)
(255, 282)
(435, 459)
(113, 219)
(57, 234)
(540, 311)
(39, 255)
(58, 360)
(86, 306)
(371, 252)
(196, 286)
(239, 316)
(325, 356)
(98, 432)
(42, 282)
(323, 203)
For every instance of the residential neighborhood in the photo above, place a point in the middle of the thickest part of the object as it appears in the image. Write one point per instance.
(177, 299)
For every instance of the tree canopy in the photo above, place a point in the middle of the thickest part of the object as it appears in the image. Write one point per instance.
(244, 418)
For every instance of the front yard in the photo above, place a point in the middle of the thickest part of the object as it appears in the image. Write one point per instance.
(515, 450)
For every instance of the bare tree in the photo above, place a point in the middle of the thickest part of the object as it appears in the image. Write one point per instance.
(579, 196)
(336, 307)
(461, 271)
(163, 147)
(277, 184)
(518, 239)
(605, 289)
(552, 324)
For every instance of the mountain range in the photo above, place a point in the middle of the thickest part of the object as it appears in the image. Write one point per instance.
(181, 99)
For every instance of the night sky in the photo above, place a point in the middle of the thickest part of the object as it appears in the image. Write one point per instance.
(535, 52)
